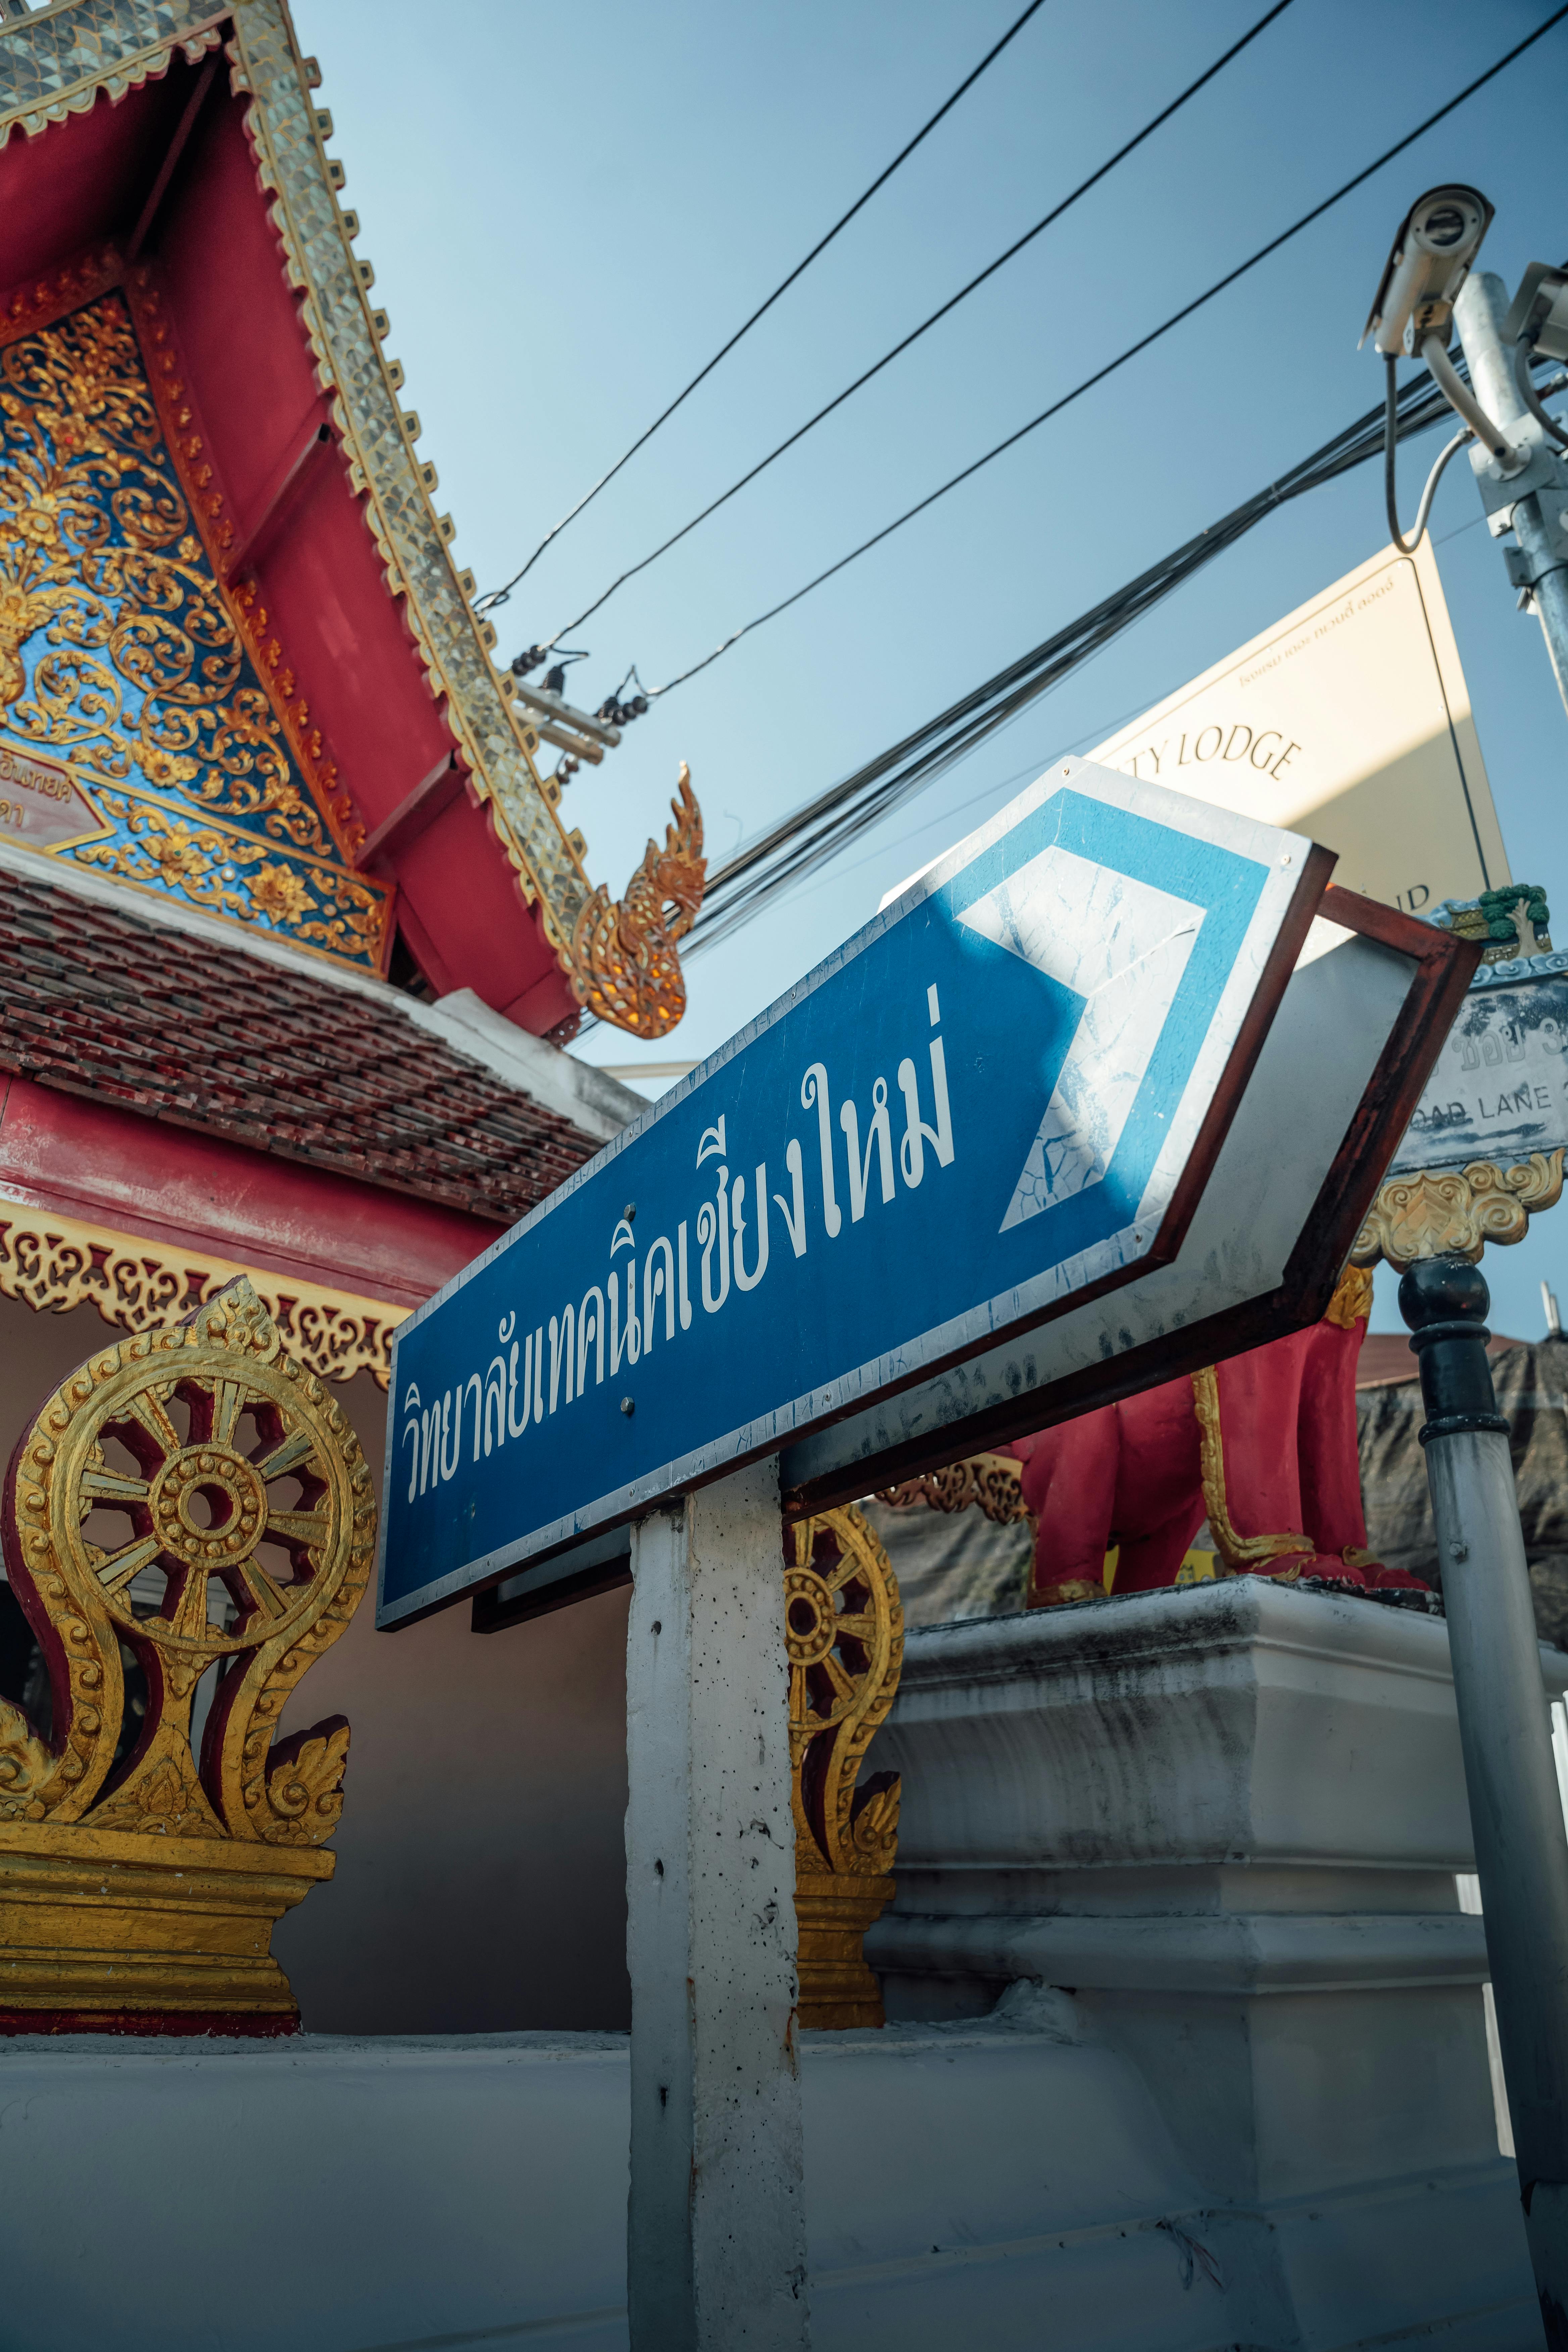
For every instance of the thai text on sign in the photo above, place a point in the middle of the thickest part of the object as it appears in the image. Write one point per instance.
(1003, 1093)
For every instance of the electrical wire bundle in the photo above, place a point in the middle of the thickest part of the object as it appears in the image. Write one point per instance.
(810, 836)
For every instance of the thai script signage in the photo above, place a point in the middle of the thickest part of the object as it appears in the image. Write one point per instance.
(1499, 1088)
(1002, 1095)
(1350, 718)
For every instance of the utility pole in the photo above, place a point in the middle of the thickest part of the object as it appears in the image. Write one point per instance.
(1516, 1811)
(1428, 284)
(1531, 502)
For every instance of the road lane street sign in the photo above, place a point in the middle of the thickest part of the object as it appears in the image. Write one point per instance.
(1498, 1090)
(1002, 1096)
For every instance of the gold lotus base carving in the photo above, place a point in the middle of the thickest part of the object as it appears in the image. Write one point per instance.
(836, 1988)
(107, 1925)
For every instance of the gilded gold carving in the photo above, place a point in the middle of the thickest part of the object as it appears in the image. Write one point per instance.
(991, 1482)
(1458, 1210)
(230, 873)
(1238, 1552)
(119, 649)
(844, 1631)
(214, 1420)
(132, 1929)
(188, 1498)
(625, 966)
(1066, 1589)
(53, 1263)
(1352, 1301)
(56, 62)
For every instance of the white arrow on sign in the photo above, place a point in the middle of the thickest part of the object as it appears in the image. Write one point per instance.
(1123, 946)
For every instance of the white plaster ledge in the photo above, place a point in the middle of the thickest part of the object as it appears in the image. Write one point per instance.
(1233, 1953)
(1180, 1635)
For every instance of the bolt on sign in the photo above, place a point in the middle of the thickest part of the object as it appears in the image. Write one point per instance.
(1349, 717)
(1001, 1099)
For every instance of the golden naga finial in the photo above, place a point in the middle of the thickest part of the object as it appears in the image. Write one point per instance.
(190, 1497)
(625, 968)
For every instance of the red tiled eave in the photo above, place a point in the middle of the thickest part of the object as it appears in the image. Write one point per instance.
(177, 1025)
(1387, 1358)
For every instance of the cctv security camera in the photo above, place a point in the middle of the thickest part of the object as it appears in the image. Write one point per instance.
(1438, 239)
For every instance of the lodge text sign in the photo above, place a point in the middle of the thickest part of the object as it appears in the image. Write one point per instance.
(1350, 719)
(1002, 1095)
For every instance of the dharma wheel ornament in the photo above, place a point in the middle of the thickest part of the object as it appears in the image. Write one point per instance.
(192, 1498)
(844, 1629)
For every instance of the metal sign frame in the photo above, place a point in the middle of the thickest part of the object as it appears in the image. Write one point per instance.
(1284, 1205)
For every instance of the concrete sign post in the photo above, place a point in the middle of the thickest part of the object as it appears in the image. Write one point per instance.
(710, 1939)
(994, 1115)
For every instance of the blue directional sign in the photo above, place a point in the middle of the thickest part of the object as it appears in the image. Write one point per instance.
(1003, 1093)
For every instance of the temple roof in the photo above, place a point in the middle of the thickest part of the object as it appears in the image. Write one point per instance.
(244, 1041)
(173, 253)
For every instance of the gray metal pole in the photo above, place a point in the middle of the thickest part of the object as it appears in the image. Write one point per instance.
(1534, 505)
(1516, 1811)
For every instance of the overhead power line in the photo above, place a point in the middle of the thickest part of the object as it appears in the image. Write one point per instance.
(926, 324)
(499, 596)
(1112, 366)
(811, 835)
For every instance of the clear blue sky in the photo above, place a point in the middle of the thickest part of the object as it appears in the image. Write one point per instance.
(570, 209)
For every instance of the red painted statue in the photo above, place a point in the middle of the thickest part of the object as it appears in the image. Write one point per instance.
(1262, 1447)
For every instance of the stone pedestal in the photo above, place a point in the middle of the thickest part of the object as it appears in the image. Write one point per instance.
(1228, 1821)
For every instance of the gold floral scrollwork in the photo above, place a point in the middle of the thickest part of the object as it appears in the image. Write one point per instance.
(844, 1631)
(1456, 1211)
(121, 650)
(54, 1263)
(189, 1499)
(626, 964)
(990, 1480)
